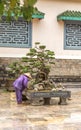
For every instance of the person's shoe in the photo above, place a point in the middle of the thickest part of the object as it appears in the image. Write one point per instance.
(19, 103)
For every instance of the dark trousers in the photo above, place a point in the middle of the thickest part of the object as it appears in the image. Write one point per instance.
(18, 95)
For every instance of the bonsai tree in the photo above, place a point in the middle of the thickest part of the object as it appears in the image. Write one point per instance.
(38, 61)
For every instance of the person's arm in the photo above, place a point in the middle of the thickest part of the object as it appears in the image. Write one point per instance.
(25, 81)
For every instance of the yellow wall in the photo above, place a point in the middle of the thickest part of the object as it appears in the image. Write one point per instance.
(49, 31)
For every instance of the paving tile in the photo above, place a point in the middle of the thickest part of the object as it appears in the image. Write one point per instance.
(32, 117)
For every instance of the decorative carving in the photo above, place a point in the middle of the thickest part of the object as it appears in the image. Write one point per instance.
(73, 35)
(15, 34)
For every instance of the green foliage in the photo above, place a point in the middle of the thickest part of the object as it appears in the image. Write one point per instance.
(1, 7)
(37, 60)
(31, 2)
(12, 8)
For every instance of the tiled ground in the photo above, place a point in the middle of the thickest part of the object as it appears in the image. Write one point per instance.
(32, 117)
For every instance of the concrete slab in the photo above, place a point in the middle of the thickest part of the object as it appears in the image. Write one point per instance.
(32, 117)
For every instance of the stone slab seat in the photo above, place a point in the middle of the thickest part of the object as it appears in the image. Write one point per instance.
(47, 95)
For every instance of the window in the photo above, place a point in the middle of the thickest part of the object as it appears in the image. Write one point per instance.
(72, 32)
(16, 34)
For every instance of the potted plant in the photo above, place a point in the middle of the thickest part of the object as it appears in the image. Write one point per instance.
(38, 62)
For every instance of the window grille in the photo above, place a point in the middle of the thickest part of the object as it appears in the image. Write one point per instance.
(72, 32)
(15, 34)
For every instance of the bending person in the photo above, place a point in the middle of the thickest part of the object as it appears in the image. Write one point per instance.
(20, 84)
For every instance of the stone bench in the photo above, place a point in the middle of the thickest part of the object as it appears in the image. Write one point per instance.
(63, 96)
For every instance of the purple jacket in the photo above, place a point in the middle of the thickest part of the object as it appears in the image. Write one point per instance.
(21, 82)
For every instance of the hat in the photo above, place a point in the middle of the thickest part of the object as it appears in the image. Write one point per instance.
(28, 75)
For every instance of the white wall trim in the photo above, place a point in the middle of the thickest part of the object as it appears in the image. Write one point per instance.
(56, 56)
(11, 56)
(67, 57)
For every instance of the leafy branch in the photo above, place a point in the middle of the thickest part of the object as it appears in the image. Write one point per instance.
(13, 8)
